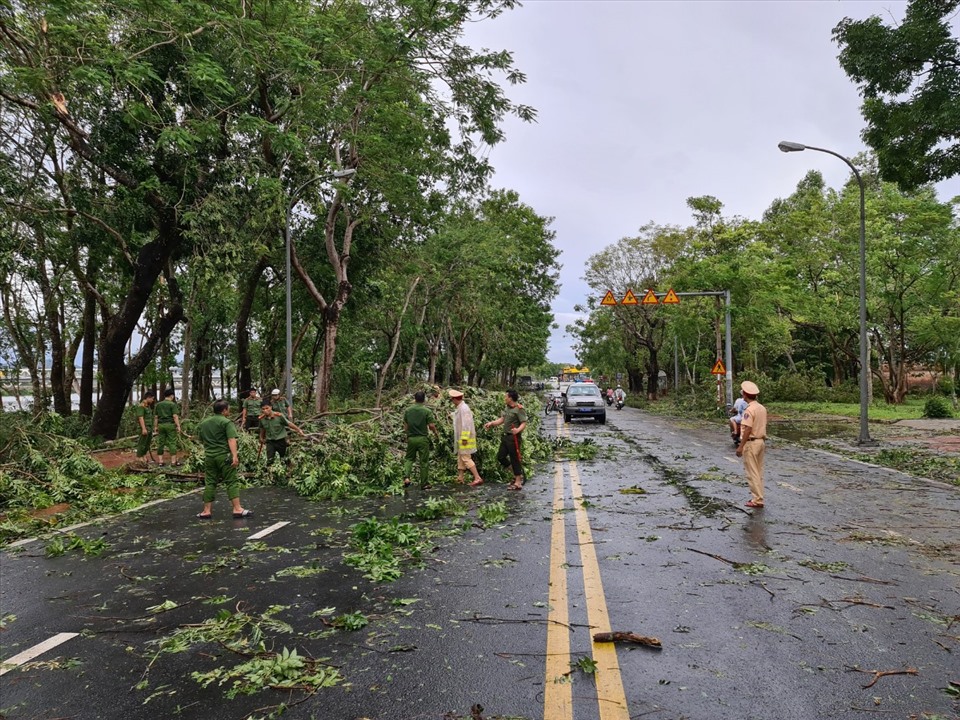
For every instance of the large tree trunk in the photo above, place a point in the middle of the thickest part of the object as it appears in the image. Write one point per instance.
(244, 361)
(653, 374)
(185, 374)
(51, 315)
(118, 376)
(325, 372)
(89, 351)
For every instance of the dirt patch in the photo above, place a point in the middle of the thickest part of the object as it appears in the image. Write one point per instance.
(113, 459)
(50, 511)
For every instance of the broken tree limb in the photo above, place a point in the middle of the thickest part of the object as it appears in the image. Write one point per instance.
(877, 674)
(853, 600)
(628, 637)
(864, 578)
(717, 557)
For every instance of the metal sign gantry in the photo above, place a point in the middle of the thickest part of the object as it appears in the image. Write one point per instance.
(670, 297)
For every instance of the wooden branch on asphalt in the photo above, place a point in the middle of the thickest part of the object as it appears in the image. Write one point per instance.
(487, 620)
(628, 637)
(877, 674)
(762, 584)
(718, 557)
(861, 601)
(864, 578)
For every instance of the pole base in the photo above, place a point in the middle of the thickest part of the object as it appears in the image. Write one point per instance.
(867, 442)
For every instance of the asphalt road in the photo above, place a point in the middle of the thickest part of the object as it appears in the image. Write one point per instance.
(849, 577)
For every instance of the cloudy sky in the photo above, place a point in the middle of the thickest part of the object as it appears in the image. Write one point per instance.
(642, 104)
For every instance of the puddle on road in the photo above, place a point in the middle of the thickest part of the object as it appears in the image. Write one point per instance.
(811, 430)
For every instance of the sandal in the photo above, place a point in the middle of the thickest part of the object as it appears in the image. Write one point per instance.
(204, 516)
(752, 504)
(243, 514)
(513, 486)
(477, 483)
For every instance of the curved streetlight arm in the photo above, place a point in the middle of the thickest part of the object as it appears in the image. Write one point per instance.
(864, 439)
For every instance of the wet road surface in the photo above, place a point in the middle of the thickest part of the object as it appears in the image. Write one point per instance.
(785, 612)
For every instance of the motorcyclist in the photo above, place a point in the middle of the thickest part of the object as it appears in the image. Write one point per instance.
(739, 405)
(609, 395)
(620, 396)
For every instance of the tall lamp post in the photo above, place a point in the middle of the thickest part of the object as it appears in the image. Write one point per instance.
(294, 199)
(864, 438)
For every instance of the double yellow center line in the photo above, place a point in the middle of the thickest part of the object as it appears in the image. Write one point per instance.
(558, 691)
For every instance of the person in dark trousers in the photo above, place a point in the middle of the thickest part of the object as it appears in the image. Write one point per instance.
(514, 421)
(250, 411)
(146, 423)
(168, 427)
(417, 420)
(273, 430)
(219, 437)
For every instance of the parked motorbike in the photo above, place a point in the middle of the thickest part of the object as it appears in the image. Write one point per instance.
(553, 404)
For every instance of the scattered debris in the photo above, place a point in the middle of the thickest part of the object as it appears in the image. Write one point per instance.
(628, 637)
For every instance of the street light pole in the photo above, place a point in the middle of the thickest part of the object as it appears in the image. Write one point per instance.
(864, 438)
(294, 199)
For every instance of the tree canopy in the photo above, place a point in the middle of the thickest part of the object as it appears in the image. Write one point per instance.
(909, 75)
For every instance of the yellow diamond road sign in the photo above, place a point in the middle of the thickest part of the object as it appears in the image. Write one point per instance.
(609, 299)
(629, 298)
(670, 298)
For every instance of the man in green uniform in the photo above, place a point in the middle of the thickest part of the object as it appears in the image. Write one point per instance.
(279, 403)
(250, 411)
(514, 420)
(417, 419)
(168, 427)
(273, 430)
(146, 423)
(219, 437)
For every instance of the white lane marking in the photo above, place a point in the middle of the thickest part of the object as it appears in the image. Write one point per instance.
(30, 653)
(267, 531)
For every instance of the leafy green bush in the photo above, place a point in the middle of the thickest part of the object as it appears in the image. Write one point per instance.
(845, 392)
(937, 407)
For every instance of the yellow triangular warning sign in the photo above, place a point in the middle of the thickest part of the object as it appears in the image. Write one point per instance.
(629, 298)
(609, 299)
(719, 369)
(670, 298)
(650, 298)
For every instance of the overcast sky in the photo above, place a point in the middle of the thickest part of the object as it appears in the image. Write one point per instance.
(642, 104)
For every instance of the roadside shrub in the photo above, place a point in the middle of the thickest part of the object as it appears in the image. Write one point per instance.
(937, 407)
(845, 392)
(801, 386)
